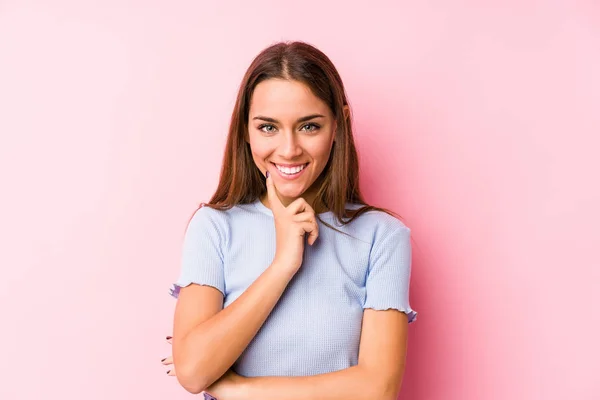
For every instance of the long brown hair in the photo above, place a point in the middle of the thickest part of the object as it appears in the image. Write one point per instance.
(241, 181)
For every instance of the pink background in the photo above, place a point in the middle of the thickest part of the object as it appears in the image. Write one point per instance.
(476, 121)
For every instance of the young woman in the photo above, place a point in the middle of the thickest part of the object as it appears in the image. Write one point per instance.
(291, 286)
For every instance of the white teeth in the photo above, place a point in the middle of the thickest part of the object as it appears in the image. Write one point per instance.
(290, 171)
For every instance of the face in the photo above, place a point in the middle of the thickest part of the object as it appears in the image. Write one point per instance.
(291, 133)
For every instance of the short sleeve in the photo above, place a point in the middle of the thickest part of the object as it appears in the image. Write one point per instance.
(202, 256)
(388, 278)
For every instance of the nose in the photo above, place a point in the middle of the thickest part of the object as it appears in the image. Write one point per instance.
(289, 147)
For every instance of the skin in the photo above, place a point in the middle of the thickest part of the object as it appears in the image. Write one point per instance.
(289, 125)
(280, 132)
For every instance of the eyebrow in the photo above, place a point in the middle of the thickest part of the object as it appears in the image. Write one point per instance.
(303, 119)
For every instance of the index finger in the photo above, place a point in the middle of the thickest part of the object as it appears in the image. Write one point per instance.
(274, 201)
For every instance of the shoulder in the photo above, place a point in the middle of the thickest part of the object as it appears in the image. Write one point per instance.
(390, 239)
(223, 220)
(206, 215)
(371, 227)
(381, 223)
(206, 223)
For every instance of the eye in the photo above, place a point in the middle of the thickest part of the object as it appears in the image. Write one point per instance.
(311, 127)
(270, 128)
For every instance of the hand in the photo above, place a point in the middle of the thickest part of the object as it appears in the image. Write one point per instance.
(291, 225)
(169, 360)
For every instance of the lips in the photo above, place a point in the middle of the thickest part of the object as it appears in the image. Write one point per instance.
(290, 169)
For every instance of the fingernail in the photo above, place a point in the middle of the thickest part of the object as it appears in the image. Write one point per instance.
(169, 337)
(267, 174)
(163, 360)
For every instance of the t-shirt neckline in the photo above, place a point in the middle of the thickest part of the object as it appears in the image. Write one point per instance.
(266, 210)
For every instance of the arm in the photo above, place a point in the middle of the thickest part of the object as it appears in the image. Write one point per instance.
(207, 339)
(377, 375)
(383, 341)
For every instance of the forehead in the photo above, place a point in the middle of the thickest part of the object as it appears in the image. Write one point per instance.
(285, 99)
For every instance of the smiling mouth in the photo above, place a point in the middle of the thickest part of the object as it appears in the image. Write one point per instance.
(291, 171)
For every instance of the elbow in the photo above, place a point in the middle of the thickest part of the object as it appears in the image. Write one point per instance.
(193, 381)
(196, 373)
(191, 388)
(192, 384)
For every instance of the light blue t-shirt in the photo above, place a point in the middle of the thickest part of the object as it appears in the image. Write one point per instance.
(316, 325)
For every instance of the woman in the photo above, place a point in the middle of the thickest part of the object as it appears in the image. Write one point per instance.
(287, 272)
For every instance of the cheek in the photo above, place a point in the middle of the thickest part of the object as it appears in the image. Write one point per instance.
(260, 151)
(320, 151)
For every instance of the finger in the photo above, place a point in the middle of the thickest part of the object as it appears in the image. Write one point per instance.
(313, 231)
(300, 205)
(274, 202)
(305, 216)
(172, 372)
(167, 361)
(314, 234)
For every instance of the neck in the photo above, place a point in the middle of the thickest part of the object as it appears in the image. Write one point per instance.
(309, 195)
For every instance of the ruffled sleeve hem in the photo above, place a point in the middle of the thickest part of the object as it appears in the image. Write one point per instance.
(176, 288)
(410, 313)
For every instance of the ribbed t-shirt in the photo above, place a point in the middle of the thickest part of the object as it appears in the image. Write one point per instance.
(315, 327)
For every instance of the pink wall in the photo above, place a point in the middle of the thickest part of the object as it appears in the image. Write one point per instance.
(477, 121)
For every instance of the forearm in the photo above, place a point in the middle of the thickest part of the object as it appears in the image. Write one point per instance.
(354, 383)
(212, 347)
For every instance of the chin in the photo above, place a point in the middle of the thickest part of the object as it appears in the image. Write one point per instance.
(289, 189)
(291, 194)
